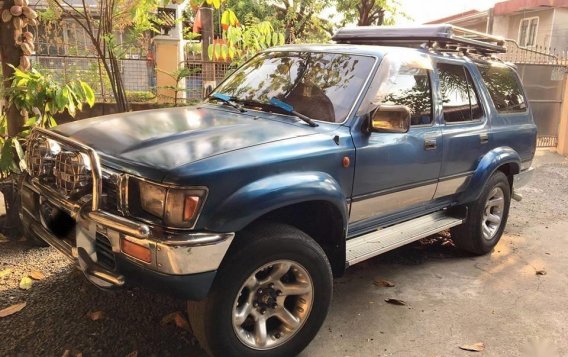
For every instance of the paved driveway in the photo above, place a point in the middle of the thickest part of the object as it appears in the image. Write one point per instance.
(452, 299)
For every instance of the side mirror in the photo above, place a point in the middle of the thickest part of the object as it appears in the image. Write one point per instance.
(390, 119)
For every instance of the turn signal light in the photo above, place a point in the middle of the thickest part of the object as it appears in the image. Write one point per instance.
(136, 251)
(189, 207)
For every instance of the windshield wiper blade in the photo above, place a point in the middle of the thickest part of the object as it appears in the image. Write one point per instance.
(227, 99)
(290, 109)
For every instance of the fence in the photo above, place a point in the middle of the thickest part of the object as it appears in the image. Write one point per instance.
(204, 74)
(136, 74)
(543, 73)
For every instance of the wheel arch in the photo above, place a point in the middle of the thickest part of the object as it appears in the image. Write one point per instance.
(322, 221)
(313, 202)
(504, 159)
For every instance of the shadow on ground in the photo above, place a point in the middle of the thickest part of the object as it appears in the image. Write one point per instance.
(56, 316)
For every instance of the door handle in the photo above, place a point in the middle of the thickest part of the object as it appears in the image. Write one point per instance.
(484, 138)
(430, 143)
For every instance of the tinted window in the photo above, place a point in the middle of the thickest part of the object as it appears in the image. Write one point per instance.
(411, 87)
(459, 98)
(504, 88)
(476, 112)
(322, 86)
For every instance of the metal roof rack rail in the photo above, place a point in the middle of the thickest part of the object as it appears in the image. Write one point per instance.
(437, 37)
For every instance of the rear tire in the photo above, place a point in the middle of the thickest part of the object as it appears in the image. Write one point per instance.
(486, 218)
(269, 298)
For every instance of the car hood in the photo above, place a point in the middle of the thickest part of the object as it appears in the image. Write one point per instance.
(168, 138)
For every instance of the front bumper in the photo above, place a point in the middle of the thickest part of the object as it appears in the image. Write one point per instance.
(182, 263)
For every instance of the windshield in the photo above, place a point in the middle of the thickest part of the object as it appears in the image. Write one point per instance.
(321, 86)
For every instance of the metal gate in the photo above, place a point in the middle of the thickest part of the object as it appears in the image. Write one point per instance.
(544, 85)
(543, 73)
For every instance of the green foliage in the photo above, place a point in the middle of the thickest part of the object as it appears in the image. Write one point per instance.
(360, 11)
(215, 3)
(177, 76)
(242, 42)
(140, 96)
(38, 98)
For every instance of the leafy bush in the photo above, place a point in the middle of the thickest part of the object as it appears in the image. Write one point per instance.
(140, 96)
(38, 97)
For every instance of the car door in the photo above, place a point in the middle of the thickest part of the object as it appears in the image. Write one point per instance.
(397, 171)
(466, 127)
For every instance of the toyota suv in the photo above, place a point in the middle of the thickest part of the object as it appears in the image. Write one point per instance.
(303, 162)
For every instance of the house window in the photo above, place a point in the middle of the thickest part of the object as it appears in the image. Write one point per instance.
(527, 31)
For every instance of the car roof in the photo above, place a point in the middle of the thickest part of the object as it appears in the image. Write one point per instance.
(373, 50)
(364, 50)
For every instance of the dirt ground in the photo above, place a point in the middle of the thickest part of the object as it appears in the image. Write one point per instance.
(452, 299)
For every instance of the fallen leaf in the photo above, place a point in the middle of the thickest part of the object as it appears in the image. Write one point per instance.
(168, 318)
(132, 354)
(36, 275)
(26, 283)
(67, 353)
(384, 283)
(182, 323)
(178, 319)
(395, 302)
(12, 309)
(541, 272)
(95, 315)
(5, 272)
(476, 347)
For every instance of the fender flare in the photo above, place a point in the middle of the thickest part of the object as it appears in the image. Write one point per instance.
(260, 197)
(488, 164)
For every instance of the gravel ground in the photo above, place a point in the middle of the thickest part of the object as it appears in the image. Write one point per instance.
(498, 298)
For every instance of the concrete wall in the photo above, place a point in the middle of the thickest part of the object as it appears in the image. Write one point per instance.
(562, 147)
(559, 38)
(508, 26)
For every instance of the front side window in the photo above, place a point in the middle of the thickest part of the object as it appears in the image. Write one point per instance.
(459, 99)
(504, 88)
(403, 80)
(322, 86)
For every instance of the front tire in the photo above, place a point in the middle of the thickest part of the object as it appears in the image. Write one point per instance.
(486, 217)
(270, 296)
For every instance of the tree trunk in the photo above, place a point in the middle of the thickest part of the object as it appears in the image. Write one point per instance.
(10, 54)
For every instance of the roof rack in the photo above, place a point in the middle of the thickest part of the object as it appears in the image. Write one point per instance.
(439, 37)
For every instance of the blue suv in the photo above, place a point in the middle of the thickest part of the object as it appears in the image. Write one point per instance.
(306, 160)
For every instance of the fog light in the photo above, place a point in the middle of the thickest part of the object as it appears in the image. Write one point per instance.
(137, 251)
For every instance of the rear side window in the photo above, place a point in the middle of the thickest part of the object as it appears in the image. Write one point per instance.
(504, 88)
(459, 98)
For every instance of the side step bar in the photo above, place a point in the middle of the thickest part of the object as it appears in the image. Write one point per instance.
(381, 241)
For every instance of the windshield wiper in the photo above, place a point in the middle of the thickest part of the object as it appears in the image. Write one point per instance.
(227, 100)
(290, 109)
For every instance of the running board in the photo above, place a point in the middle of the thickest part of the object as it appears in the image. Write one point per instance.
(381, 241)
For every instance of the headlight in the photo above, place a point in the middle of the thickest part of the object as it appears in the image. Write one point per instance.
(177, 207)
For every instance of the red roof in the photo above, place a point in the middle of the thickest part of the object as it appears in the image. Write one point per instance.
(511, 6)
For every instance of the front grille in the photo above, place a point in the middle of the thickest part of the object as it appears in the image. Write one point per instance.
(111, 192)
(103, 248)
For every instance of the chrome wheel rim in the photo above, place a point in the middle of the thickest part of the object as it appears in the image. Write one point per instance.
(273, 304)
(493, 213)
